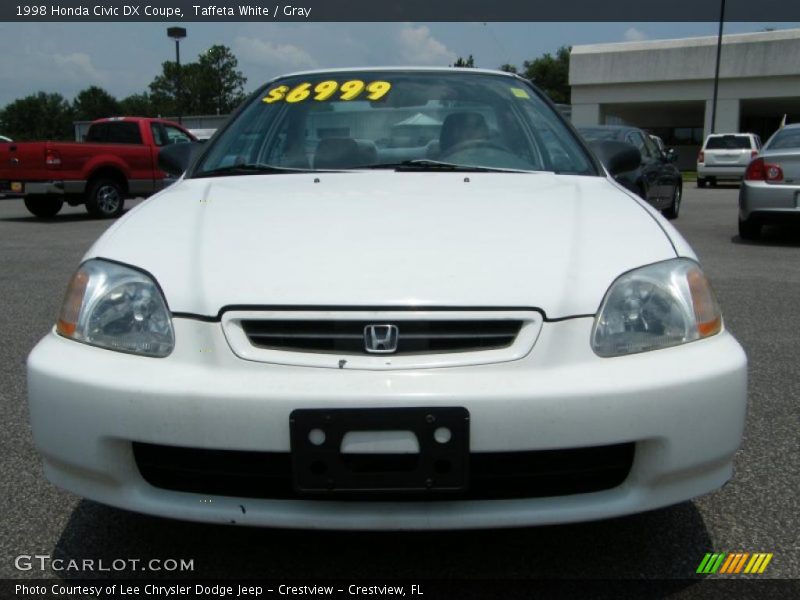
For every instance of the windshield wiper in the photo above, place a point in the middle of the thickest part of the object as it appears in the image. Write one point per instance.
(420, 164)
(252, 169)
(426, 164)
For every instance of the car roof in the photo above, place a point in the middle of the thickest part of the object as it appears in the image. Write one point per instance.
(608, 128)
(130, 118)
(730, 134)
(407, 68)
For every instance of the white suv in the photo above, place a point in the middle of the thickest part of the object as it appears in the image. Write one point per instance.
(726, 156)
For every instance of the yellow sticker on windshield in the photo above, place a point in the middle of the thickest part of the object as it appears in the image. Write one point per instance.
(326, 90)
(520, 93)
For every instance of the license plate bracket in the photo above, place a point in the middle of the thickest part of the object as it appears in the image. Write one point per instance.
(322, 468)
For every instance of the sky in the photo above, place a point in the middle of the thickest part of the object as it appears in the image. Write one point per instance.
(123, 58)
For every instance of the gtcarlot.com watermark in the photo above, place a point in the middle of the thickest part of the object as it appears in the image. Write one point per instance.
(45, 562)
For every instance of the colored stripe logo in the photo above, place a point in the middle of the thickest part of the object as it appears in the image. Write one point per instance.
(734, 563)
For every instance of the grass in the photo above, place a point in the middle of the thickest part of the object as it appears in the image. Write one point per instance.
(689, 176)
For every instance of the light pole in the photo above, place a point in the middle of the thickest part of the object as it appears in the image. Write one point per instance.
(177, 34)
(716, 69)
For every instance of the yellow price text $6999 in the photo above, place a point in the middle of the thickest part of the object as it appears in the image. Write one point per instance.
(324, 90)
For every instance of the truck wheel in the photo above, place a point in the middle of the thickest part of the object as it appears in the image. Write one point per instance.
(106, 199)
(44, 207)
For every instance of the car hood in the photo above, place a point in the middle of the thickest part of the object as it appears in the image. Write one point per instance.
(553, 242)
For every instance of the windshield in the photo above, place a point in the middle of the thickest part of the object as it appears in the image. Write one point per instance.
(398, 120)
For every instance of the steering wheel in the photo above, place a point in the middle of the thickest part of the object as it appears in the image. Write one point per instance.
(475, 143)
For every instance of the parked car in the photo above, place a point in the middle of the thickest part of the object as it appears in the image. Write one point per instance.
(725, 156)
(771, 187)
(656, 179)
(117, 160)
(203, 134)
(485, 332)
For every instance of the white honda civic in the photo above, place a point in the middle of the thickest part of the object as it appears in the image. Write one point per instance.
(390, 299)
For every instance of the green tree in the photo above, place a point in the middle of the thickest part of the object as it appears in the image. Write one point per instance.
(220, 86)
(508, 68)
(551, 74)
(137, 105)
(94, 103)
(40, 116)
(209, 85)
(468, 62)
(164, 89)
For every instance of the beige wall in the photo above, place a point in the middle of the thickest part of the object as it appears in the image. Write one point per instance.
(658, 79)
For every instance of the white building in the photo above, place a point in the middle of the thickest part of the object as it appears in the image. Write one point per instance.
(666, 86)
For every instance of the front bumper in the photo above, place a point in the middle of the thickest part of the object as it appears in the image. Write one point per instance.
(769, 202)
(683, 408)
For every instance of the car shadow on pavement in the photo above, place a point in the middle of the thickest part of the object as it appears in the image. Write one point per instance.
(665, 544)
(785, 235)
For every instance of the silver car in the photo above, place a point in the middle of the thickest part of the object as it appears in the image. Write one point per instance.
(770, 191)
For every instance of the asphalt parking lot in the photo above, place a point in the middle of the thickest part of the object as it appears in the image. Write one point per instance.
(758, 285)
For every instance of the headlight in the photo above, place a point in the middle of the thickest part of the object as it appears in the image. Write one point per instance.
(116, 307)
(656, 306)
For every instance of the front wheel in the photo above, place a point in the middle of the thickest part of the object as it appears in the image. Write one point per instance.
(44, 207)
(671, 212)
(701, 183)
(106, 199)
(749, 230)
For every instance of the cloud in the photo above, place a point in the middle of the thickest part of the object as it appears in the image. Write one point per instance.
(282, 57)
(416, 46)
(634, 35)
(45, 67)
(78, 66)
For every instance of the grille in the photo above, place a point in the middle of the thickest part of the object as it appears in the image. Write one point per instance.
(414, 336)
(495, 475)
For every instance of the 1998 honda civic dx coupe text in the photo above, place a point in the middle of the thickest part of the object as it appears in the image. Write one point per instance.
(390, 299)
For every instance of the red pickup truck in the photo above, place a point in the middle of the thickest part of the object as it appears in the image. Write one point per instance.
(117, 160)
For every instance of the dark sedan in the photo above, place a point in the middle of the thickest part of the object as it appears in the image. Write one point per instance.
(657, 179)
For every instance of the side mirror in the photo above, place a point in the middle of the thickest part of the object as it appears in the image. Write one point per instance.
(671, 155)
(176, 158)
(617, 157)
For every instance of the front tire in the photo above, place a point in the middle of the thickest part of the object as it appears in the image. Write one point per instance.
(106, 199)
(749, 230)
(44, 207)
(701, 183)
(671, 212)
